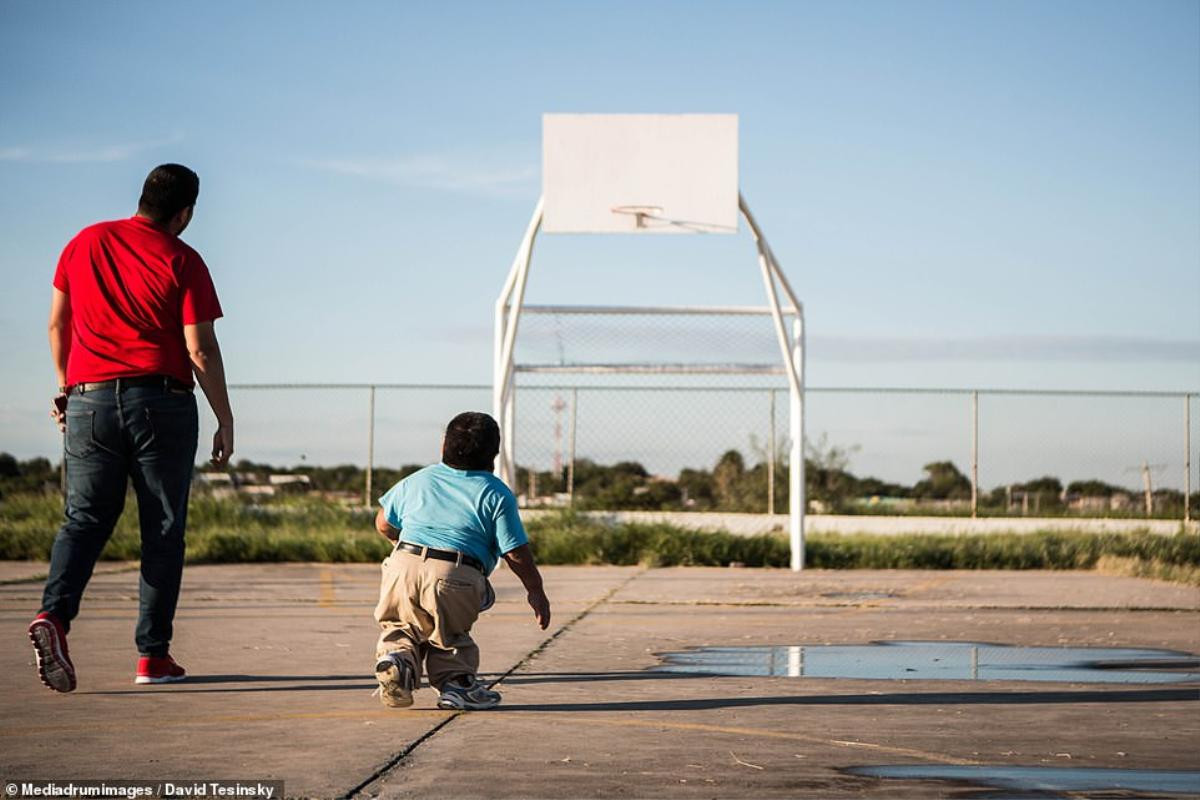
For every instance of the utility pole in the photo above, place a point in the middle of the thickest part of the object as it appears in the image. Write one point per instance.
(1187, 459)
(368, 487)
(1147, 483)
(1149, 489)
(974, 454)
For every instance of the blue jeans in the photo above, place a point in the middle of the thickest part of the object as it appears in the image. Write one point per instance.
(147, 433)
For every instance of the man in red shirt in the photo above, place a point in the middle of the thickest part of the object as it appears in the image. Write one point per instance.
(131, 323)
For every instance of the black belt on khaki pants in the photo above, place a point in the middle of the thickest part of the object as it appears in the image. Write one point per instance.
(165, 381)
(441, 555)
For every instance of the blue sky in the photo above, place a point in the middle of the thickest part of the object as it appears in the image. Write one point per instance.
(964, 194)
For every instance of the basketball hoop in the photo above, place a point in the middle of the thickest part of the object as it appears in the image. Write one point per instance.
(639, 213)
(591, 165)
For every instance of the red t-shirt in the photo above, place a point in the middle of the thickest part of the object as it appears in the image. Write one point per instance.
(131, 287)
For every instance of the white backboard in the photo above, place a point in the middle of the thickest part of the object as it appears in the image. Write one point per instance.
(640, 173)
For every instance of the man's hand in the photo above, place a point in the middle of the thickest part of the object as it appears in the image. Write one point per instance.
(541, 607)
(60, 347)
(222, 445)
(209, 369)
(520, 561)
(58, 412)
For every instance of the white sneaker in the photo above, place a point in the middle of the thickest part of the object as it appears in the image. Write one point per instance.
(472, 696)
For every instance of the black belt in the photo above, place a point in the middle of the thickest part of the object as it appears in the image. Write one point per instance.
(441, 555)
(165, 381)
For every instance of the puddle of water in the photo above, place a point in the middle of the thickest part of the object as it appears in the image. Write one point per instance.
(1047, 779)
(950, 661)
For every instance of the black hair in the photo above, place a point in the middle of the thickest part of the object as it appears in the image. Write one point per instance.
(472, 441)
(169, 188)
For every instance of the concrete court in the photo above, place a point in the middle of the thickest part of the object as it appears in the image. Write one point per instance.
(281, 654)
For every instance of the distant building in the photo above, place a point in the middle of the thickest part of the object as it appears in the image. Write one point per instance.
(251, 484)
(1088, 504)
(1093, 504)
(291, 484)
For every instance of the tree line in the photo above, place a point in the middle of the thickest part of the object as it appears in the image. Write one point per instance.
(734, 485)
(731, 484)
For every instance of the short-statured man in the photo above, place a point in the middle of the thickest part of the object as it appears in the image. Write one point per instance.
(131, 333)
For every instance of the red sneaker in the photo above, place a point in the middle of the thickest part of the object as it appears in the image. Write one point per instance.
(50, 644)
(152, 669)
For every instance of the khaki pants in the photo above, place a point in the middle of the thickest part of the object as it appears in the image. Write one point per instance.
(426, 610)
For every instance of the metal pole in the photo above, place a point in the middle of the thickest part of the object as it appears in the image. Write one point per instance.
(796, 501)
(507, 315)
(1187, 459)
(750, 311)
(571, 449)
(370, 445)
(793, 357)
(974, 454)
(771, 456)
(508, 435)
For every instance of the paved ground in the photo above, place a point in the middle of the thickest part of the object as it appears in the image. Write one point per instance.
(282, 690)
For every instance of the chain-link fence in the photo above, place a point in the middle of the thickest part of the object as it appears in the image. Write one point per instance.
(615, 442)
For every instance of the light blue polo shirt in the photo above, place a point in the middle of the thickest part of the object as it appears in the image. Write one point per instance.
(470, 511)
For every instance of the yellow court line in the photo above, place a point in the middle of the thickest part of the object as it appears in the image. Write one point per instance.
(326, 597)
(768, 734)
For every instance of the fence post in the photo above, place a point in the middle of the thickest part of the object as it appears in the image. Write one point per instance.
(370, 444)
(771, 456)
(974, 454)
(571, 449)
(1187, 460)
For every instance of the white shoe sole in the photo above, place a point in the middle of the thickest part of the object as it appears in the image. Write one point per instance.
(162, 679)
(456, 703)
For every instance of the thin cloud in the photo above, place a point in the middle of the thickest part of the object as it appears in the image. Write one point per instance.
(541, 344)
(1006, 348)
(86, 154)
(434, 172)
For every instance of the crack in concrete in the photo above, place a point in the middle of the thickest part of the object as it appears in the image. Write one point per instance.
(394, 762)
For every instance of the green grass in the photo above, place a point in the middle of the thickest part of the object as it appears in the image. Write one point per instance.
(229, 531)
(1149, 568)
(219, 531)
(574, 540)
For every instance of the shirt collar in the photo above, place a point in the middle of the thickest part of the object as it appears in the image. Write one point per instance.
(149, 223)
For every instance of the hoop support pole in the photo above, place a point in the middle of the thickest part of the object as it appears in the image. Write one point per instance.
(792, 350)
(507, 316)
